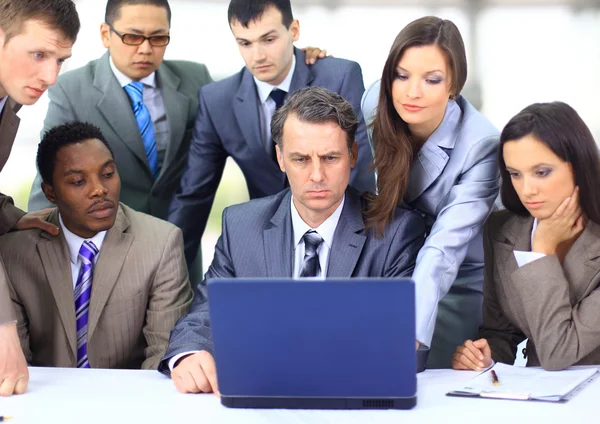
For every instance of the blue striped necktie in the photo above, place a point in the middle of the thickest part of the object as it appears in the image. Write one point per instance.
(83, 291)
(144, 122)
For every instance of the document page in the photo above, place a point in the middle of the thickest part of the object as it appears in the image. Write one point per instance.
(527, 383)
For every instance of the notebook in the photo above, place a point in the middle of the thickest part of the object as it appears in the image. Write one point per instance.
(319, 344)
(520, 383)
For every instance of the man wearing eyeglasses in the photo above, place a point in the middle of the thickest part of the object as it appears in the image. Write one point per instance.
(144, 105)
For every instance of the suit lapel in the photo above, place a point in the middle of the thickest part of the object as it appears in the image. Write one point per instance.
(586, 249)
(277, 241)
(9, 124)
(177, 106)
(347, 242)
(114, 105)
(114, 250)
(434, 155)
(303, 76)
(54, 256)
(245, 108)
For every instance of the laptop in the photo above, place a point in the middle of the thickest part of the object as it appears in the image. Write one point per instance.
(314, 344)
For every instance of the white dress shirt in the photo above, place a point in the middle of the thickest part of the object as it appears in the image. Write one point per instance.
(153, 100)
(267, 109)
(326, 230)
(523, 258)
(74, 243)
(2, 103)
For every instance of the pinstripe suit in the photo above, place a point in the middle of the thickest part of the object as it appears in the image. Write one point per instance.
(257, 242)
(9, 213)
(140, 288)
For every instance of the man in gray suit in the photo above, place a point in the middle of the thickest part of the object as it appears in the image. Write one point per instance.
(125, 91)
(234, 114)
(36, 37)
(313, 229)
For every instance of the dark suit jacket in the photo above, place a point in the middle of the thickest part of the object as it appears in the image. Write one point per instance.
(93, 94)
(9, 213)
(228, 124)
(257, 242)
(140, 288)
(556, 306)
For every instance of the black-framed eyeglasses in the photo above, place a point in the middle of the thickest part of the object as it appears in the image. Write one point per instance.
(137, 39)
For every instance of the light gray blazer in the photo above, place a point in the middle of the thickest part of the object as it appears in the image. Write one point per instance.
(453, 183)
(93, 94)
(556, 306)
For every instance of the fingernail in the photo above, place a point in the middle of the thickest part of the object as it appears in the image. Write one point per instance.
(481, 357)
(481, 364)
(478, 369)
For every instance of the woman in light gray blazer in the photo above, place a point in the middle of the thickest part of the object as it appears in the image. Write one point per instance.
(542, 254)
(436, 152)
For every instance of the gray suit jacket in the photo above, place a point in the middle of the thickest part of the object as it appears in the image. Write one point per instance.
(9, 213)
(228, 125)
(140, 288)
(453, 183)
(93, 94)
(257, 242)
(556, 306)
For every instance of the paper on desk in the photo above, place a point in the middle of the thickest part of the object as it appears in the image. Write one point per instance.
(527, 383)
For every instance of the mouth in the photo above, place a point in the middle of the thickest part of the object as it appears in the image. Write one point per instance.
(142, 64)
(412, 108)
(533, 205)
(317, 193)
(103, 209)
(262, 68)
(37, 91)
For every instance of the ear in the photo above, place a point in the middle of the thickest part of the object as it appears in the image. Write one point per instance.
(354, 153)
(105, 35)
(280, 158)
(49, 193)
(295, 30)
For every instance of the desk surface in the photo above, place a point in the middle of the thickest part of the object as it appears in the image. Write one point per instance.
(59, 395)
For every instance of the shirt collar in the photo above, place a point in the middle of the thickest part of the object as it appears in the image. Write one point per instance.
(264, 88)
(326, 230)
(3, 103)
(74, 241)
(124, 80)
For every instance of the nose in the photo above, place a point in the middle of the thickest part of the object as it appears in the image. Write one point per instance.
(50, 73)
(145, 47)
(414, 88)
(97, 188)
(317, 174)
(258, 54)
(529, 187)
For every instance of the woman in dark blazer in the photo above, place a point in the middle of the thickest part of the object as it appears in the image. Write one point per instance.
(436, 152)
(542, 254)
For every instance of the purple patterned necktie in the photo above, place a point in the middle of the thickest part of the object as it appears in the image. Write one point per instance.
(83, 291)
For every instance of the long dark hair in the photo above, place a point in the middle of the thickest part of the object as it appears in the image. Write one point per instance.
(393, 147)
(562, 130)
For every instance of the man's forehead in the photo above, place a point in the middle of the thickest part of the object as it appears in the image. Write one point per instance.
(45, 33)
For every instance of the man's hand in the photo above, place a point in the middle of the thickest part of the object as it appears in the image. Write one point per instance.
(312, 54)
(472, 355)
(196, 373)
(14, 375)
(36, 220)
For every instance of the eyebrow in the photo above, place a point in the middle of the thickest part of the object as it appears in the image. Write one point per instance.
(532, 167)
(400, 68)
(79, 171)
(138, 31)
(266, 34)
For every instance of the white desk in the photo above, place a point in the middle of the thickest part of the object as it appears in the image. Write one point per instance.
(71, 396)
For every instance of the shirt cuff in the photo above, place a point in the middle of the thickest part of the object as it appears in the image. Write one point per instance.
(8, 322)
(176, 358)
(523, 258)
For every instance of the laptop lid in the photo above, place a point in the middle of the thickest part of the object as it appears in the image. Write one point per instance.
(314, 343)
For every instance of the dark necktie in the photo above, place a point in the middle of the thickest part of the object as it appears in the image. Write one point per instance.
(278, 97)
(312, 241)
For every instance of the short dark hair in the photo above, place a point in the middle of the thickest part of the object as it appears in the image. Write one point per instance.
(59, 137)
(246, 11)
(113, 8)
(558, 126)
(58, 14)
(316, 105)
